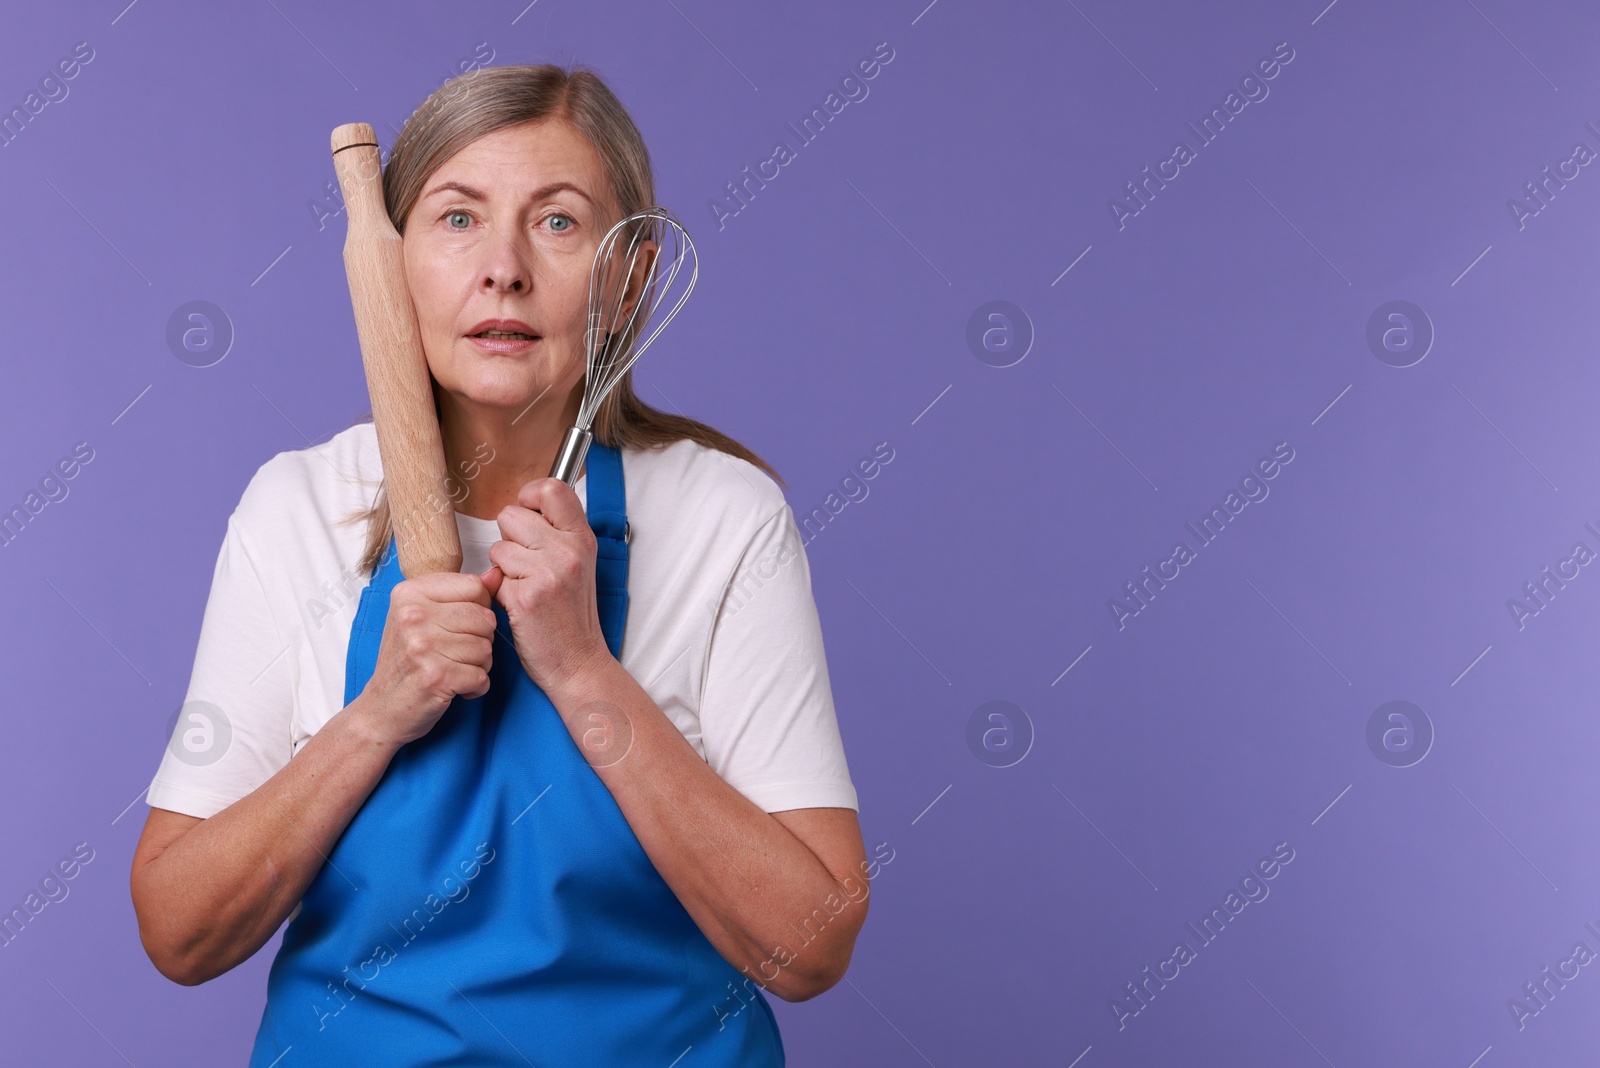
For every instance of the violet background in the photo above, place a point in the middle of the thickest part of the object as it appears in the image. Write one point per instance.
(831, 315)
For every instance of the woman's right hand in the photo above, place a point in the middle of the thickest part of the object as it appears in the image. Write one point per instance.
(438, 641)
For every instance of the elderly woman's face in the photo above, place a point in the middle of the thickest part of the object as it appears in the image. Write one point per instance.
(507, 229)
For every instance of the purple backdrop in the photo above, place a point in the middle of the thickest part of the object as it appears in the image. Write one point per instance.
(1077, 338)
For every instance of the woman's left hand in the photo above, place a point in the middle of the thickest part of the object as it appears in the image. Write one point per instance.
(545, 563)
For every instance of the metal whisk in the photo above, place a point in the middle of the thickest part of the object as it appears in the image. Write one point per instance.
(612, 343)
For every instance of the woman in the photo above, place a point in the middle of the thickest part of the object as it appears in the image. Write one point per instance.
(506, 835)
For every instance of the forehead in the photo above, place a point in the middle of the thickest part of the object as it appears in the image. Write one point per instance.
(525, 157)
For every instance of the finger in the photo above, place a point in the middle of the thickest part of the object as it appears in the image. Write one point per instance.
(514, 561)
(492, 579)
(556, 501)
(446, 586)
(470, 649)
(479, 690)
(461, 617)
(524, 526)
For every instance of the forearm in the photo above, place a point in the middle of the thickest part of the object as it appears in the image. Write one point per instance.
(747, 882)
(216, 894)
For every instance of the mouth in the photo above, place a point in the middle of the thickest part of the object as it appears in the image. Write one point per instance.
(504, 336)
(503, 343)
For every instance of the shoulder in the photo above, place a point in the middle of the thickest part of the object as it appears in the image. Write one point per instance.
(322, 483)
(697, 513)
(698, 493)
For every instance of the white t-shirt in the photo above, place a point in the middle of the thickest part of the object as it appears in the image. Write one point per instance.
(722, 630)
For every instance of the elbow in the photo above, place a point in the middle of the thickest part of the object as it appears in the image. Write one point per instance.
(810, 974)
(173, 955)
(179, 972)
(797, 992)
(171, 959)
(186, 932)
(805, 986)
(796, 983)
(182, 968)
(185, 957)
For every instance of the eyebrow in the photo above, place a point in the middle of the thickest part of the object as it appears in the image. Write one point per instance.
(474, 194)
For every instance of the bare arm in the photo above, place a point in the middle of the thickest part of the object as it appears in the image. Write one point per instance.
(208, 893)
(782, 896)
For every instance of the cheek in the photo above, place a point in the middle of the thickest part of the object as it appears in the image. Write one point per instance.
(436, 270)
(570, 300)
(424, 282)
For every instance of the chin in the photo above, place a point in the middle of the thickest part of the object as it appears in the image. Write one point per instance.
(497, 389)
(514, 398)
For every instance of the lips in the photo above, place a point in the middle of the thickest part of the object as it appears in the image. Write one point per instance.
(504, 329)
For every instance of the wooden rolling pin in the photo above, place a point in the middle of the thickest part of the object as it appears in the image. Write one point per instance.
(398, 381)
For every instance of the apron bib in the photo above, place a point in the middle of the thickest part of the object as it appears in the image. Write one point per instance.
(490, 905)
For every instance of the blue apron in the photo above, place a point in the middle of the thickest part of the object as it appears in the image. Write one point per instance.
(490, 905)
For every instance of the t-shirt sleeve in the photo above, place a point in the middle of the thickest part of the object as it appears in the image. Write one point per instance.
(767, 718)
(233, 732)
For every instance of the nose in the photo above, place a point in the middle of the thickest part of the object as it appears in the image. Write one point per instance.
(505, 265)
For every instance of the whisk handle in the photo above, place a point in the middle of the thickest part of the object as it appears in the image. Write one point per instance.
(569, 458)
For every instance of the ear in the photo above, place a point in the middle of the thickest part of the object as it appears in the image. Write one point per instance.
(643, 265)
(633, 286)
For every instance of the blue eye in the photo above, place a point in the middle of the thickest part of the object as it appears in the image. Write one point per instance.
(453, 214)
(561, 229)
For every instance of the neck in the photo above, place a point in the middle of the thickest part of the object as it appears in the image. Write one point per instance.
(493, 452)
